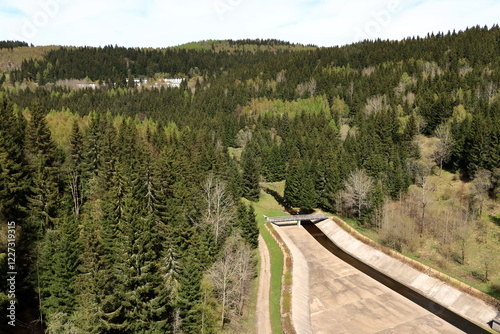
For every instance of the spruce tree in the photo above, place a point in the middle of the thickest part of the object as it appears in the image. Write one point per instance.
(58, 269)
(107, 149)
(44, 164)
(98, 306)
(14, 176)
(93, 138)
(189, 296)
(294, 179)
(248, 224)
(478, 145)
(307, 191)
(74, 168)
(139, 285)
(333, 180)
(251, 173)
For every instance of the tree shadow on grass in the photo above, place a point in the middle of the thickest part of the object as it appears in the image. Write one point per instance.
(281, 200)
(495, 220)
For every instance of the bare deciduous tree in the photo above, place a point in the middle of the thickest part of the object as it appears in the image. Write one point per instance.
(421, 172)
(76, 190)
(367, 71)
(444, 146)
(398, 229)
(375, 104)
(462, 231)
(246, 272)
(281, 77)
(231, 276)
(351, 90)
(491, 91)
(357, 188)
(219, 211)
(479, 190)
(307, 87)
(409, 98)
(177, 322)
(243, 137)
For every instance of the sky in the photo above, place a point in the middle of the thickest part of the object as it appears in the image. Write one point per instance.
(162, 23)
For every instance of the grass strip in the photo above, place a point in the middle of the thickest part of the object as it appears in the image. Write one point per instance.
(276, 258)
(286, 288)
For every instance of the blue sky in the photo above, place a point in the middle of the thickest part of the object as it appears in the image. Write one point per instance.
(161, 23)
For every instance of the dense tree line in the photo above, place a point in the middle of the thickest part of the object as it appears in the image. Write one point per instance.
(397, 87)
(442, 77)
(114, 234)
(12, 44)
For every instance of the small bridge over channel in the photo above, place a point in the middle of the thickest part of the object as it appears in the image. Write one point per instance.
(287, 220)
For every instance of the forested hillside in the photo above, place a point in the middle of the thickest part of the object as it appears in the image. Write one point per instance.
(128, 205)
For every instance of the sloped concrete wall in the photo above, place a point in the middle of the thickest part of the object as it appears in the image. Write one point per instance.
(434, 289)
(301, 313)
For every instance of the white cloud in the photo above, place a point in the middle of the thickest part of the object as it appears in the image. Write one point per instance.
(163, 23)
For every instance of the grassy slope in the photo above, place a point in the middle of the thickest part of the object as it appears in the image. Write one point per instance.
(11, 59)
(225, 46)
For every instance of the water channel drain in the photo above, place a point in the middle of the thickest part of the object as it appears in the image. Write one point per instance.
(431, 306)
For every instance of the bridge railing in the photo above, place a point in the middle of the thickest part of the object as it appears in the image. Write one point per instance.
(296, 218)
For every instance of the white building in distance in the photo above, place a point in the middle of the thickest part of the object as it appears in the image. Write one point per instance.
(138, 81)
(174, 82)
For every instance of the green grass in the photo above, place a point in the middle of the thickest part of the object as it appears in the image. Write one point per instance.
(367, 232)
(201, 45)
(269, 207)
(235, 152)
(278, 187)
(276, 273)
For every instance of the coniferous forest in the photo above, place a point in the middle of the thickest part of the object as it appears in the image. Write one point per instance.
(133, 200)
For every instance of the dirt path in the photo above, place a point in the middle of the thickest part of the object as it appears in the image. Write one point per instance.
(262, 318)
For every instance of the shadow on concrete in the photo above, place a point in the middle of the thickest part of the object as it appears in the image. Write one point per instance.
(431, 306)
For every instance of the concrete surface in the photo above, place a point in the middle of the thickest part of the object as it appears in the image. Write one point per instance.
(344, 300)
(301, 313)
(459, 302)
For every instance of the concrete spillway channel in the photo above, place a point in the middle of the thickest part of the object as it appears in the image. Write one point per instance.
(445, 314)
(348, 296)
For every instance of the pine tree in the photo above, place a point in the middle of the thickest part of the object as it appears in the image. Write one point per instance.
(74, 168)
(248, 224)
(14, 177)
(478, 145)
(251, 174)
(98, 306)
(294, 179)
(59, 263)
(44, 197)
(307, 191)
(93, 138)
(333, 180)
(189, 294)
